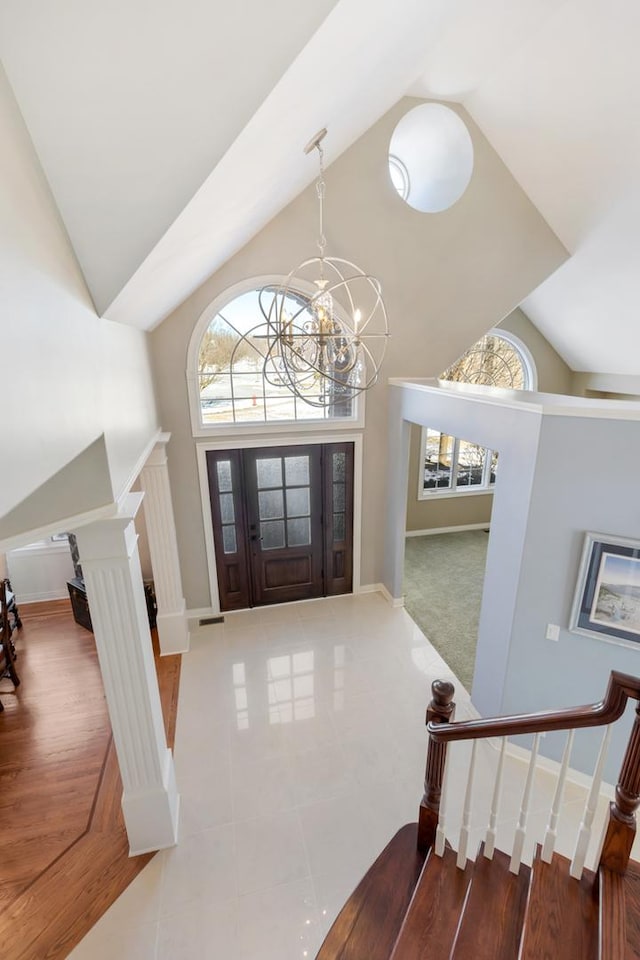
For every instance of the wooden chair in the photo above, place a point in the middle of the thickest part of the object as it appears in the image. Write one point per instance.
(8, 619)
(12, 607)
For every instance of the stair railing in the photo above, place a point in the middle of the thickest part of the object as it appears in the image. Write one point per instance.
(621, 823)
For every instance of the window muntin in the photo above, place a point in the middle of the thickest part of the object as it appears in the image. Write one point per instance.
(453, 466)
(231, 386)
(284, 495)
(494, 361)
(399, 176)
(450, 466)
(438, 449)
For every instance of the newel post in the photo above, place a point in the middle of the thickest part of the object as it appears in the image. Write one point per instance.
(440, 710)
(621, 828)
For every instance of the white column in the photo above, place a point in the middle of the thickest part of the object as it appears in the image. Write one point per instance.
(113, 579)
(173, 632)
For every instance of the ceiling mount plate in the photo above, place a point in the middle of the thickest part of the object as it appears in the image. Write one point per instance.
(315, 142)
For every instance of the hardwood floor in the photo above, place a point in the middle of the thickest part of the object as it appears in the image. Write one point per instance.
(63, 847)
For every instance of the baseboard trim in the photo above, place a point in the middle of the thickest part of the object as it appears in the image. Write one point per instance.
(459, 529)
(380, 588)
(44, 597)
(198, 613)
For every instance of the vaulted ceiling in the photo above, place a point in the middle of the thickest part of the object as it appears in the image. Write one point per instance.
(171, 132)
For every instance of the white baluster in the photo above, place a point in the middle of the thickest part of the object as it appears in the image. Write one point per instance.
(551, 834)
(441, 838)
(463, 842)
(521, 829)
(490, 839)
(584, 833)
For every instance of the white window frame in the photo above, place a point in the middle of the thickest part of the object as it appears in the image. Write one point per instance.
(529, 364)
(442, 493)
(200, 429)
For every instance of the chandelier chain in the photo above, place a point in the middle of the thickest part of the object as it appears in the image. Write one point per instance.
(320, 191)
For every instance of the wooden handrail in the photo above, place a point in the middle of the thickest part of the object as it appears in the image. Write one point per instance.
(622, 821)
(621, 688)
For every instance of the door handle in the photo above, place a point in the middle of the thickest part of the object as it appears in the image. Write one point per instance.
(256, 537)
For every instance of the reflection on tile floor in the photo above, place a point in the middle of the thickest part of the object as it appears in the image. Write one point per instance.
(300, 749)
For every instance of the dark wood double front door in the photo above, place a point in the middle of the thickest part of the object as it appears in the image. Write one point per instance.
(282, 522)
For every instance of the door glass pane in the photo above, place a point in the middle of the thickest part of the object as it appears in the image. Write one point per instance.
(229, 539)
(272, 533)
(269, 470)
(298, 532)
(339, 466)
(224, 475)
(338, 526)
(296, 471)
(227, 513)
(338, 496)
(270, 504)
(298, 504)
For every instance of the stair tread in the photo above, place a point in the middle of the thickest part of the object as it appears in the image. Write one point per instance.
(561, 921)
(368, 924)
(493, 914)
(432, 919)
(632, 903)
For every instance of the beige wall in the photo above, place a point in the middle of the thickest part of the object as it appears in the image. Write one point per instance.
(610, 386)
(446, 277)
(554, 376)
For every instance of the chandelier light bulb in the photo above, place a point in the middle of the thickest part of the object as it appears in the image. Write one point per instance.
(322, 307)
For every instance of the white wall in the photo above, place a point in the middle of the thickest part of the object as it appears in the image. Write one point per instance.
(560, 476)
(131, 105)
(586, 479)
(560, 108)
(40, 571)
(447, 278)
(67, 377)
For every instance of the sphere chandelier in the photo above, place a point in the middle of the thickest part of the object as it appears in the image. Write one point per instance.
(329, 346)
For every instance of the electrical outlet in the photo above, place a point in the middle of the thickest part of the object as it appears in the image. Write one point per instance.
(553, 632)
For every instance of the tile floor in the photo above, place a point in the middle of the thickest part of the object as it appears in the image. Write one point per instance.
(300, 749)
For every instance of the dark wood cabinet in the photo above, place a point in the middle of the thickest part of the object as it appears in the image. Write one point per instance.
(80, 604)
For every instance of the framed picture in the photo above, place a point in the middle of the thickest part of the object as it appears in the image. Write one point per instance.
(607, 599)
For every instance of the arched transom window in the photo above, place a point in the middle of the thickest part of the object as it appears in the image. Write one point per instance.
(494, 361)
(450, 465)
(234, 382)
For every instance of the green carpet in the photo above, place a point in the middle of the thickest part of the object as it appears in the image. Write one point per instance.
(443, 578)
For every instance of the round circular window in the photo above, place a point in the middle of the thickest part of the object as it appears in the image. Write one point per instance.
(430, 158)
